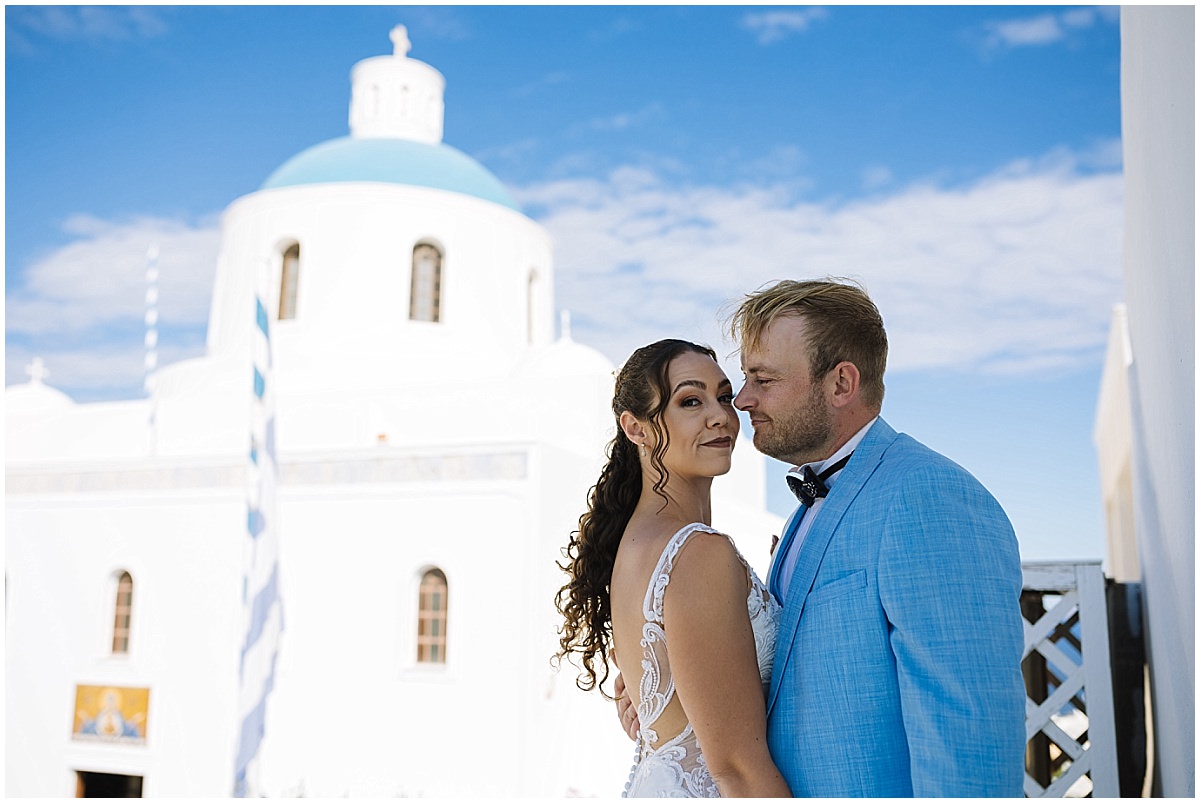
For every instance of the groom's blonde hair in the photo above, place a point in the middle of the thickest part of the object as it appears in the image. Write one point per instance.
(842, 322)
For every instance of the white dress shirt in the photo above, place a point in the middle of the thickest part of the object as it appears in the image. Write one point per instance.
(808, 517)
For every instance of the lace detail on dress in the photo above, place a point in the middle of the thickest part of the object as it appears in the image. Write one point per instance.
(677, 768)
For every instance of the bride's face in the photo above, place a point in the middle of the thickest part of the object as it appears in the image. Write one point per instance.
(699, 417)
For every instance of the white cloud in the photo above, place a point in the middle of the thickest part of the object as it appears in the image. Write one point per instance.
(1014, 273)
(88, 23)
(622, 121)
(1044, 29)
(515, 151)
(543, 82)
(84, 303)
(435, 22)
(876, 176)
(1041, 30)
(100, 277)
(1079, 17)
(774, 26)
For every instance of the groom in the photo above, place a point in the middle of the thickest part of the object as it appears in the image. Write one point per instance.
(898, 661)
(897, 666)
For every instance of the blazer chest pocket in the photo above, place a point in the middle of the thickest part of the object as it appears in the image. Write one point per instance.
(846, 584)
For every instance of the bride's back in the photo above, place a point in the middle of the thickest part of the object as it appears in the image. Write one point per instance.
(637, 558)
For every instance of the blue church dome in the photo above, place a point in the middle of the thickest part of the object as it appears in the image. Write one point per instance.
(391, 161)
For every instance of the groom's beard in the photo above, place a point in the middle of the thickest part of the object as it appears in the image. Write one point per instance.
(800, 436)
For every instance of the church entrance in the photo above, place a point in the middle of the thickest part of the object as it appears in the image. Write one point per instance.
(103, 784)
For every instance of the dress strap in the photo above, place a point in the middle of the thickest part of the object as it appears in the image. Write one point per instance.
(652, 607)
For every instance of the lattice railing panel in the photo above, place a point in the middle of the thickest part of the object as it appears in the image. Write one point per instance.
(1069, 724)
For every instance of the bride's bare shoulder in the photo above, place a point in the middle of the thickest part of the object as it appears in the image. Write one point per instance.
(647, 537)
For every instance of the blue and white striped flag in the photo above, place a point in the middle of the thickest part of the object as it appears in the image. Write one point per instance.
(261, 606)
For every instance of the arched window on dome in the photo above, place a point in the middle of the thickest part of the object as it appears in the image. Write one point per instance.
(425, 299)
(122, 614)
(431, 618)
(289, 281)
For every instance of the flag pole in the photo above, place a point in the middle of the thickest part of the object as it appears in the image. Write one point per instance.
(261, 605)
(150, 362)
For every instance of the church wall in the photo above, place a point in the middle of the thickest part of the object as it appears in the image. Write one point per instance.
(353, 713)
(577, 746)
(201, 410)
(113, 430)
(480, 414)
(570, 410)
(199, 413)
(63, 553)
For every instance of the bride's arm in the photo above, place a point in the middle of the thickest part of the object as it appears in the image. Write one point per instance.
(713, 663)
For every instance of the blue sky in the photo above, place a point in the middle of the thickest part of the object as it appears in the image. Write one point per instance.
(964, 163)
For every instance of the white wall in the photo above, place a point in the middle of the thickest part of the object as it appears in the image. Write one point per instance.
(1114, 449)
(62, 551)
(352, 712)
(1158, 121)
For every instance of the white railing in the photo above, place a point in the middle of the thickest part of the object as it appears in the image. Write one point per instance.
(1070, 728)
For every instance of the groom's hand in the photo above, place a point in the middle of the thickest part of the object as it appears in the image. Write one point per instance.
(625, 708)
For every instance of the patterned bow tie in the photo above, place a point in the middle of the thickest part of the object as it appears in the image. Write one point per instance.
(809, 486)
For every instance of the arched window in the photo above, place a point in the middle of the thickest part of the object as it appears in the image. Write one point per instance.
(289, 279)
(431, 619)
(121, 614)
(425, 300)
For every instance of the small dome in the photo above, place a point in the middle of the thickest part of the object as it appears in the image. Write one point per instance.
(391, 161)
(565, 357)
(34, 397)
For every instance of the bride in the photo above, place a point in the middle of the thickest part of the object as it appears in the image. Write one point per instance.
(664, 597)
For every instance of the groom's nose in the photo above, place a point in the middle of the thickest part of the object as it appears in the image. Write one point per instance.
(743, 400)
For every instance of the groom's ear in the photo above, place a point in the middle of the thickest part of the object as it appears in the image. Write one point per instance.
(632, 428)
(844, 384)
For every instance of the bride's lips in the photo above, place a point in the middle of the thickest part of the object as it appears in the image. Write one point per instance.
(721, 443)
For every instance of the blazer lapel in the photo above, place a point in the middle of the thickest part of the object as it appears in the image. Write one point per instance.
(861, 466)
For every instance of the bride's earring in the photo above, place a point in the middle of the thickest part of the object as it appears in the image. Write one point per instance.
(643, 450)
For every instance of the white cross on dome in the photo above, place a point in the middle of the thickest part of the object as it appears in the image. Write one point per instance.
(399, 37)
(37, 370)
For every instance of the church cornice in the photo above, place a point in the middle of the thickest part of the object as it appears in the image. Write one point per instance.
(367, 467)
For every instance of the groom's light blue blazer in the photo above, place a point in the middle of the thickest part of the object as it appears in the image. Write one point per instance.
(897, 666)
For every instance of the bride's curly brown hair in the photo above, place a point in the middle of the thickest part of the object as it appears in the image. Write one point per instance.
(642, 388)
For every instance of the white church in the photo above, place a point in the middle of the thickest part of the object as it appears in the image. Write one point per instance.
(436, 433)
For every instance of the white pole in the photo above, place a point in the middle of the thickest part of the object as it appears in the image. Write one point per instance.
(151, 342)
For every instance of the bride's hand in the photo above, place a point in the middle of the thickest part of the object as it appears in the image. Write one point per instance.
(625, 709)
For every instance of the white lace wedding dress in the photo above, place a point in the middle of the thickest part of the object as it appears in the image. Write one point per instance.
(676, 768)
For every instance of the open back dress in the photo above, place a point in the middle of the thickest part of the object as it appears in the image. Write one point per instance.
(676, 768)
